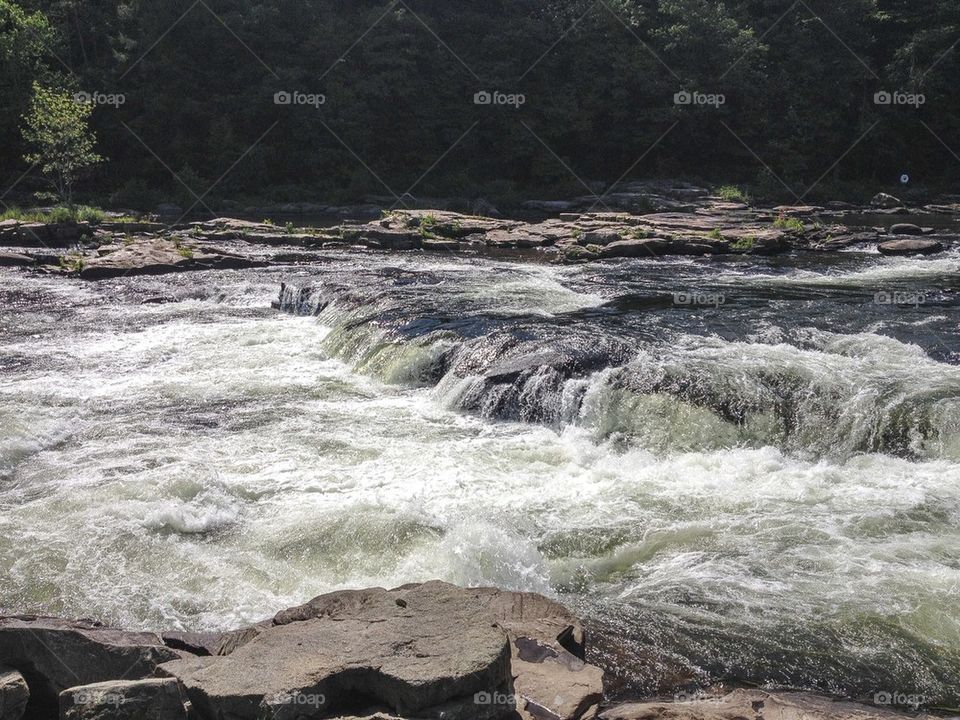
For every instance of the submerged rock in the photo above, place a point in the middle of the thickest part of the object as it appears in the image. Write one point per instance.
(742, 704)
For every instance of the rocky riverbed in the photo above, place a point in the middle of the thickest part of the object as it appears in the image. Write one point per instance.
(429, 650)
(675, 221)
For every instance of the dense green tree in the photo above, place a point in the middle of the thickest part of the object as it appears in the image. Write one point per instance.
(57, 129)
(399, 80)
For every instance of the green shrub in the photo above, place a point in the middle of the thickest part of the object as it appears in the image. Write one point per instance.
(731, 193)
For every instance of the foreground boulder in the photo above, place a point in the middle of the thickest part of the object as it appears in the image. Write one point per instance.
(422, 649)
(53, 655)
(910, 247)
(14, 694)
(744, 704)
(156, 699)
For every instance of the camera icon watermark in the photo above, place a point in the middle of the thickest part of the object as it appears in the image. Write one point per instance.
(92, 697)
(298, 699)
(696, 98)
(699, 299)
(99, 98)
(888, 697)
(495, 698)
(899, 98)
(299, 98)
(697, 697)
(497, 98)
(911, 297)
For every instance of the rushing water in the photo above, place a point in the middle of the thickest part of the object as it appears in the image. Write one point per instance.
(738, 469)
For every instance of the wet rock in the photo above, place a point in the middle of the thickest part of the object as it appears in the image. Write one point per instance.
(157, 256)
(885, 201)
(12, 259)
(741, 704)
(54, 655)
(154, 699)
(906, 229)
(647, 247)
(14, 694)
(342, 649)
(910, 247)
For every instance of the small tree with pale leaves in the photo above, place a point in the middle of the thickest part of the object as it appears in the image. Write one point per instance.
(58, 129)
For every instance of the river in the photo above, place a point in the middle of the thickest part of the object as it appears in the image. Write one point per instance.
(739, 469)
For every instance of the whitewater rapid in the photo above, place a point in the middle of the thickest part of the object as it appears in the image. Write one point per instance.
(763, 491)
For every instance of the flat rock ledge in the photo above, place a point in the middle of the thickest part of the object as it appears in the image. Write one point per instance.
(430, 651)
(693, 224)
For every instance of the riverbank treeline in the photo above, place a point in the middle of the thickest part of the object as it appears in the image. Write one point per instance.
(308, 99)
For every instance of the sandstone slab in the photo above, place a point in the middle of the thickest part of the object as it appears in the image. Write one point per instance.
(153, 699)
(910, 247)
(744, 704)
(54, 654)
(408, 650)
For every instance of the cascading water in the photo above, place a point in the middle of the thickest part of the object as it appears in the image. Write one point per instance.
(744, 469)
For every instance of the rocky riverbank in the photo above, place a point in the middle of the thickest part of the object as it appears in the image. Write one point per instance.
(429, 650)
(678, 220)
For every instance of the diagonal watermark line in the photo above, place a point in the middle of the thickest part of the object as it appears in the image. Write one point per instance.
(360, 160)
(759, 160)
(630, 169)
(440, 40)
(640, 40)
(228, 171)
(840, 40)
(166, 167)
(839, 160)
(567, 167)
(18, 181)
(760, 39)
(438, 161)
(157, 41)
(940, 140)
(559, 39)
(356, 42)
(939, 60)
(239, 40)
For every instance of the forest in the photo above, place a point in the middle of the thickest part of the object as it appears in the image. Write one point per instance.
(294, 100)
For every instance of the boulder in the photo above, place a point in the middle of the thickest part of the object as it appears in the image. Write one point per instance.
(154, 699)
(410, 650)
(910, 247)
(741, 704)
(12, 259)
(14, 694)
(54, 654)
(906, 229)
(157, 256)
(647, 247)
(885, 201)
(547, 642)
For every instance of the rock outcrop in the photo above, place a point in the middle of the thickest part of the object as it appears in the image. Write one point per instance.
(911, 247)
(54, 655)
(154, 699)
(753, 704)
